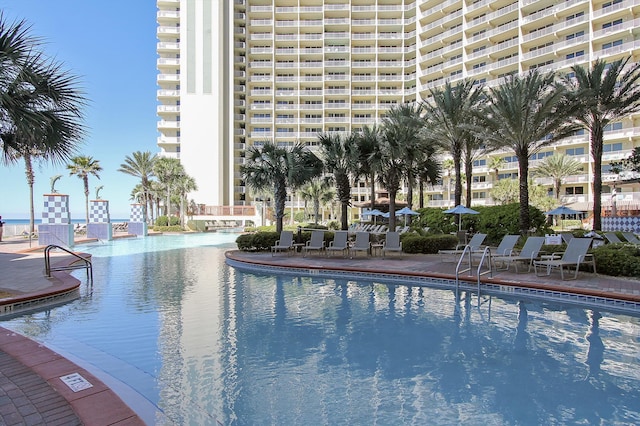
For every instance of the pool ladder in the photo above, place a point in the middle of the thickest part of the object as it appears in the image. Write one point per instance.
(79, 263)
(485, 260)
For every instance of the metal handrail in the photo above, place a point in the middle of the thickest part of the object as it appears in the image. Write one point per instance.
(86, 262)
(486, 254)
(467, 249)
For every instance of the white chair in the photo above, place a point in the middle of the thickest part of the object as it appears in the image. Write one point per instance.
(315, 243)
(528, 254)
(631, 237)
(340, 243)
(285, 243)
(362, 243)
(474, 245)
(574, 255)
(392, 243)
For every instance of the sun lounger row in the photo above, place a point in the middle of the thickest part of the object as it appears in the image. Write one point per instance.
(340, 243)
(505, 255)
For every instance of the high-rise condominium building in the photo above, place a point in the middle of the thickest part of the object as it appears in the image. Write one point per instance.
(234, 72)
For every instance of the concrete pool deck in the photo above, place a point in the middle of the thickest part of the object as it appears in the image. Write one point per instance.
(30, 374)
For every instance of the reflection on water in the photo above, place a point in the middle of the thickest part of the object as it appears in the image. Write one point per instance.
(206, 342)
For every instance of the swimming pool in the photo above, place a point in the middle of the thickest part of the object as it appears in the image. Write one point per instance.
(207, 343)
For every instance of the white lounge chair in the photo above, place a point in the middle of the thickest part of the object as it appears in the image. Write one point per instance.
(285, 243)
(362, 243)
(528, 254)
(631, 237)
(315, 243)
(574, 255)
(612, 237)
(392, 243)
(340, 243)
(475, 244)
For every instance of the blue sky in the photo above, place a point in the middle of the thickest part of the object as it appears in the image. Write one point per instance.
(111, 47)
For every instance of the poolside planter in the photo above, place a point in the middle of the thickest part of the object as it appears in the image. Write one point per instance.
(137, 225)
(56, 227)
(99, 220)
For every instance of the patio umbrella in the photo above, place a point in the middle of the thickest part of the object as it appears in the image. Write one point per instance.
(406, 211)
(559, 211)
(374, 213)
(460, 210)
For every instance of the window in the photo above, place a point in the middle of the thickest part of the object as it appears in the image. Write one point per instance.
(480, 65)
(541, 155)
(435, 197)
(574, 35)
(574, 16)
(480, 163)
(612, 24)
(575, 151)
(610, 3)
(575, 54)
(613, 127)
(479, 195)
(512, 159)
(479, 179)
(507, 176)
(574, 190)
(611, 44)
(612, 147)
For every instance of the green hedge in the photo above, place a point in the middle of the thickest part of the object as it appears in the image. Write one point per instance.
(619, 259)
(173, 228)
(413, 243)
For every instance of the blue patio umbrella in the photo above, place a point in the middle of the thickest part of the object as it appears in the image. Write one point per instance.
(374, 213)
(559, 211)
(460, 210)
(406, 211)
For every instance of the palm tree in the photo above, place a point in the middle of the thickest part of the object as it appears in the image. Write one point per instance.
(557, 167)
(40, 104)
(341, 159)
(368, 141)
(140, 165)
(319, 192)
(168, 170)
(82, 166)
(408, 118)
(472, 148)
(495, 164)
(605, 94)
(184, 185)
(429, 170)
(525, 114)
(269, 166)
(447, 118)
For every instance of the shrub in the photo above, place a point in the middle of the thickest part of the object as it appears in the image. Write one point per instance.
(435, 219)
(413, 243)
(498, 221)
(618, 260)
(164, 221)
(173, 228)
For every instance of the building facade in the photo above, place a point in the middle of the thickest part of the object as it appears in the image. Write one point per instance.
(232, 73)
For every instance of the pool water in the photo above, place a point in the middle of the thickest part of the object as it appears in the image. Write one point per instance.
(210, 344)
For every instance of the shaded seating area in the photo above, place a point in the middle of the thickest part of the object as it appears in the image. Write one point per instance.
(392, 243)
(361, 244)
(340, 243)
(285, 243)
(474, 244)
(574, 256)
(316, 243)
(528, 254)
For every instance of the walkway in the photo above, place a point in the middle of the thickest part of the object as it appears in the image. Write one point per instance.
(37, 385)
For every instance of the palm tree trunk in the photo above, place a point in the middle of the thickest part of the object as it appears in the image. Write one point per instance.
(525, 224)
(458, 172)
(373, 190)
(468, 170)
(392, 210)
(30, 181)
(421, 195)
(596, 153)
(85, 180)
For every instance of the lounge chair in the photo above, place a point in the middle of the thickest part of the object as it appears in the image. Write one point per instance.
(474, 245)
(631, 237)
(566, 237)
(528, 254)
(315, 243)
(612, 237)
(574, 255)
(362, 243)
(340, 243)
(392, 243)
(285, 243)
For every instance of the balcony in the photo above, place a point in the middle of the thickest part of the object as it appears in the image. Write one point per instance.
(165, 46)
(165, 141)
(168, 94)
(168, 78)
(168, 62)
(168, 109)
(168, 124)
